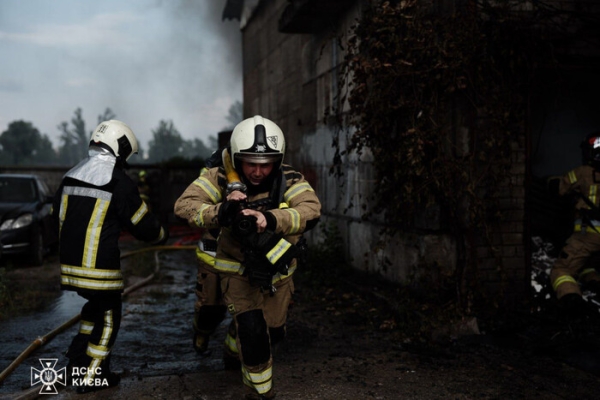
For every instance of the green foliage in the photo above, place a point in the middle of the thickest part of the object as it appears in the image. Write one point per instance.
(23, 144)
(439, 101)
(74, 139)
(168, 144)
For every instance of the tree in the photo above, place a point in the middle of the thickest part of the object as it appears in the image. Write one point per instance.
(46, 154)
(196, 149)
(106, 116)
(75, 140)
(166, 143)
(23, 144)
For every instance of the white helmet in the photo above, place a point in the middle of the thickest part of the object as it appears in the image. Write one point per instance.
(117, 136)
(257, 140)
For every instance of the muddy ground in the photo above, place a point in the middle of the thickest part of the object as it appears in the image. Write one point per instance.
(349, 337)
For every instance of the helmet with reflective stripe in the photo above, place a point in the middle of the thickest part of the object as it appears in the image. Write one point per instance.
(257, 140)
(117, 137)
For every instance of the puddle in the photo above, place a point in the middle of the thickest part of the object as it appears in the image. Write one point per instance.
(155, 336)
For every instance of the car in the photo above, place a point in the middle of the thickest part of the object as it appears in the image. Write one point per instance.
(26, 227)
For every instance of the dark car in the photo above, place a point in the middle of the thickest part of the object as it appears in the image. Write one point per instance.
(25, 217)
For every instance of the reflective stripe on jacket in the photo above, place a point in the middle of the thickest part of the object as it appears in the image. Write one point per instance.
(89, 220)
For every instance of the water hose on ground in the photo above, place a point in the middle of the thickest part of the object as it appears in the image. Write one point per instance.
(42, 340)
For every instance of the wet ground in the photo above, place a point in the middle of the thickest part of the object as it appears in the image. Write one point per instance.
(347, 339)
(155, 335)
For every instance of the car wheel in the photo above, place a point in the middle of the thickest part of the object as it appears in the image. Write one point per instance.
(36, 257)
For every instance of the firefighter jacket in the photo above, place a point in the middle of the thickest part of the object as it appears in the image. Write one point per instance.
(583, 181)
(94, 202)
(299, 209)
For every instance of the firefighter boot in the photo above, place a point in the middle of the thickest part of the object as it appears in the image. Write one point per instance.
(105, 379)
(201, 343)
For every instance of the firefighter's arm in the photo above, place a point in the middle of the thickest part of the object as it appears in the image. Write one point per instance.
(299, 212)
(136, 217)
(569, 183)
(200, 202)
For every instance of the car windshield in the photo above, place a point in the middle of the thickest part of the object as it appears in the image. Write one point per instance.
(17, 190)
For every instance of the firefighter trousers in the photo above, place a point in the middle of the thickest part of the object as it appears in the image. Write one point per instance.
(98, 329)
(572, 267)
(258, 316)
(209, 309)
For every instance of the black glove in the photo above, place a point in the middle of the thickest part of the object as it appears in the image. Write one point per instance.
(227, 212)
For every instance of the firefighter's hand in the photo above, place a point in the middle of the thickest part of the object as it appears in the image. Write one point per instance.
(261, 221)
(236, 195)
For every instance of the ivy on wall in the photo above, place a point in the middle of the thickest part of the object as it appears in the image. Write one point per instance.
(440, 101)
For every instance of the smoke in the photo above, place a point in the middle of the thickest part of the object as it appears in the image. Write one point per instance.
(146, 60)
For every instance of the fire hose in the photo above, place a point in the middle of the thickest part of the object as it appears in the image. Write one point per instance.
(42, 340)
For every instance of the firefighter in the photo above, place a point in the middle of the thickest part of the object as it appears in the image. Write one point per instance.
(209, 309)
(571, 271)
(262, 215)
(95, 201)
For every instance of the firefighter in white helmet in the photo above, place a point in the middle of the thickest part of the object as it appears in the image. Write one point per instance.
(94, 202)
(262, 207)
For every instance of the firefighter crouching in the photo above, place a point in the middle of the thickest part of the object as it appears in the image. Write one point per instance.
(94, 202)
(262, 216)
(571, 272)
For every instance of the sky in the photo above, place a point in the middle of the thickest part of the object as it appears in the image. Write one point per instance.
(146, 60)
